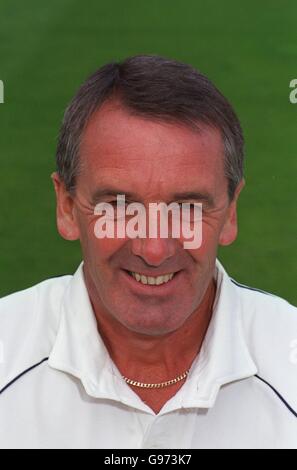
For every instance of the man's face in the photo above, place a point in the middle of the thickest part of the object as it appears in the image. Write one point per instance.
(152, 162)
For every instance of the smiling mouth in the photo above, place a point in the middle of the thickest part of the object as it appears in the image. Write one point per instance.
(152, 280)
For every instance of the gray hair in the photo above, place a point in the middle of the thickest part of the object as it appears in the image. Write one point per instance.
(159, 89)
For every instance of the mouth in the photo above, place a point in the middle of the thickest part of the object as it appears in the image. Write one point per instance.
(151, 285)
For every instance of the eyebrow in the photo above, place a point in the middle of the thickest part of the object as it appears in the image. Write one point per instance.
(195, 195)
(185, 195)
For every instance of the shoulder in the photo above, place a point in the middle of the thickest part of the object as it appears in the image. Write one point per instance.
(25, 306)
(270, 327)
(264, 311)
(29, 321)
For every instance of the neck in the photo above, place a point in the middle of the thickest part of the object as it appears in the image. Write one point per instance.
(154, 358)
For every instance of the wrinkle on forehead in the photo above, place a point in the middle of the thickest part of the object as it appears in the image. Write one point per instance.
(109, 131)
(119, 146)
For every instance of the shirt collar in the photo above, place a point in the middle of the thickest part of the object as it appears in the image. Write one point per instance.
(224, 357)
(80, 351)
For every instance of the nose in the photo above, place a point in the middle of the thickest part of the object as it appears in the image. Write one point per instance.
(154, 251)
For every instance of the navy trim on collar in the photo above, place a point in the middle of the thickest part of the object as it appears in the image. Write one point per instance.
(21, 374)
(250, 288)
(278, 395)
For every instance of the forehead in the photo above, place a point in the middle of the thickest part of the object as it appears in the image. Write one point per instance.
(151, 156)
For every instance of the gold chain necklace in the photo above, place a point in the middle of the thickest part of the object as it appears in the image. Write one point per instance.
(157, 385)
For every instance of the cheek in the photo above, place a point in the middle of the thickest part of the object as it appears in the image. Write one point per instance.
(96, 250)
(210, 237)
(103, 249)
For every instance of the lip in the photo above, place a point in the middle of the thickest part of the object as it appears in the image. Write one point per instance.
(163, 289)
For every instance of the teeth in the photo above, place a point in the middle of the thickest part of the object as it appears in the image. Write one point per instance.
(152, 280)
(143, 279)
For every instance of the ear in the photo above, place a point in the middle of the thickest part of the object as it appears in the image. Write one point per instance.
(66, 223)
(229, 231)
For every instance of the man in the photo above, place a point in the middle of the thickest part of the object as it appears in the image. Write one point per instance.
(149, 344)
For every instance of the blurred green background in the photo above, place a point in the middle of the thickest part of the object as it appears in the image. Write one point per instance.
(248, 49)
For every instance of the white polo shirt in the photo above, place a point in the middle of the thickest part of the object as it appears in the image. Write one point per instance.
(60, 388)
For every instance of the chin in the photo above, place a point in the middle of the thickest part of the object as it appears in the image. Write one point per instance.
(156, 328)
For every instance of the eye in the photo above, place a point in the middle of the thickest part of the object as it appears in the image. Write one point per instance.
(190, 211)
(186, 205)
(120, 203)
